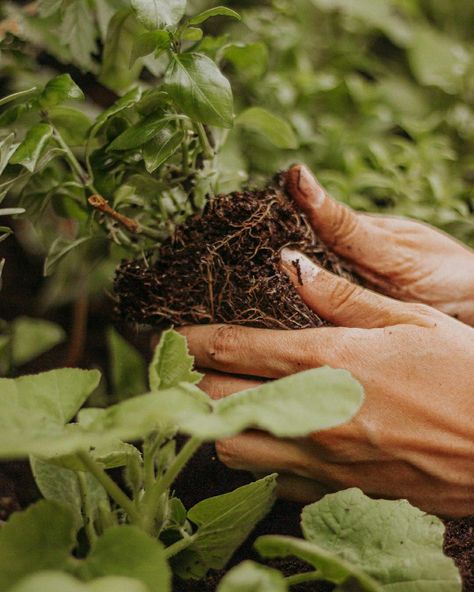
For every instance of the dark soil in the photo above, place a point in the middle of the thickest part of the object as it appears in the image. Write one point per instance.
(223, 266)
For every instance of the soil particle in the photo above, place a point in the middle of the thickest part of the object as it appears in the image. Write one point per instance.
(459, 544)
(223, 266)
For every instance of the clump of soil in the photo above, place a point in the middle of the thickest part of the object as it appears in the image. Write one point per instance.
(223, 266)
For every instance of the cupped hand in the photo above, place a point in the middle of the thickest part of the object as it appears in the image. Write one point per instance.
(414, 435)
(402, 258)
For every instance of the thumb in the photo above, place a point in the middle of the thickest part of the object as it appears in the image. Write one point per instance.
(345, 304)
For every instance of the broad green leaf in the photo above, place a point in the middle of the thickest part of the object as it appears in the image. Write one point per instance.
(171, 363)
(148, 43)
(7, 149)
(29, 151)
(291, 407)
(125, 102)
(200, 90)
(11, 211)
(274, 128)
(250, 60)
(249, 576)
(128, 370)
(160, 149)
(224, 522)
(217, 11)
(116, 72)
(332, 567)
(37, 539)
(59, 249)
(155, 14)
(61, 485)
(32, 337)
(395, 543)
(138, 134)
(34, 408)
(55, 581)
(129, 552)
(22, 94)
(78, 32)
(72, 124)
(59, 89)
(192, 34)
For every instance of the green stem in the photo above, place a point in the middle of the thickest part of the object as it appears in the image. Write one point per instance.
(179, 546)
(74, 163)
(309, 576)
(153, 495)
(204, 141)
(110, 486)
(184, 151)
(86, 509)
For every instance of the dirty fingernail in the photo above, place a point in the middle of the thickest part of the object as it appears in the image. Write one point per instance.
(298, 266)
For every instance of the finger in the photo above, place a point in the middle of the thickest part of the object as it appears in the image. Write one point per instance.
(218, 385)
(349, 234)
(266, 353)
(300, 489)
(343, 303)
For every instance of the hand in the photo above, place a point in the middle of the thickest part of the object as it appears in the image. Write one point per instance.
(414, 435)
(404, 259)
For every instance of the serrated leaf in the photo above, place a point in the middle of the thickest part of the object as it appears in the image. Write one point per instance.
(78, 32)
(138, 134)
(290, 407)
(128, 551)
(155, 14)
(55, 581)
(393, 542)
(161, 148)
(128, 370)
(32, 337)
(249, 576)
(275, 129)
(217, 11)
(59, 89)
(224, 522)
(171, 364)
(37, 539)
(148, 43)
(200, 90)
(29, 151)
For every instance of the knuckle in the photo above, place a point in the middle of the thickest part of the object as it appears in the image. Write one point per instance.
(224, 343)
(345, 225)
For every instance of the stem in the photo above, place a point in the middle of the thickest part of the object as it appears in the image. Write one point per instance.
(184, 151)
(153, 495)
(75, 165)
(110, 486)
(204, 141)
(179, 546)
(79, 329)
(309, 576)
(86, 509)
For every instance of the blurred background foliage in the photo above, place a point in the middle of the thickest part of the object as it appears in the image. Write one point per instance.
(376, 96)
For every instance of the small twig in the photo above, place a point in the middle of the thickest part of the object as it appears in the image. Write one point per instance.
(101, 204)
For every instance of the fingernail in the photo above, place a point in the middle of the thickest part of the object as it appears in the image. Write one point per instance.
(298, 266)
(309, 187)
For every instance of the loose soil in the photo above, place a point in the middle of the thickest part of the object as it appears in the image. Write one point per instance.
(223, 266)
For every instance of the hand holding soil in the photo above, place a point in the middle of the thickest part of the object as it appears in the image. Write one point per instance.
(402, 258)
(413, 437)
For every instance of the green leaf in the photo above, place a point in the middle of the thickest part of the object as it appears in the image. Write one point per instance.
(249, 576)
(395, 543)
(116, 72)
(171, 363)
(199, 89)
(55, 581)
(7, 149)
(291, 407)
(34, 408)
(161, 148)
(138, 134)
(125, 102)
(128, 551)
(217, 11)
(37, 539)
(49, 7)
(61, 485)
(32, 337)
(224, 522)
(150, 42)
(30, 150)
(273, 128)
(58, 250)
(155, 14)
(78, 32)
(72, 124)
(11, 211)
(127, 367)
(22, 94)
(330, 565)
(250, 60)
(192, 34)
(59, 89)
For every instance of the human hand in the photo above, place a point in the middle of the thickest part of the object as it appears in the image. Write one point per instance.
(414, 435)
(402, 258)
